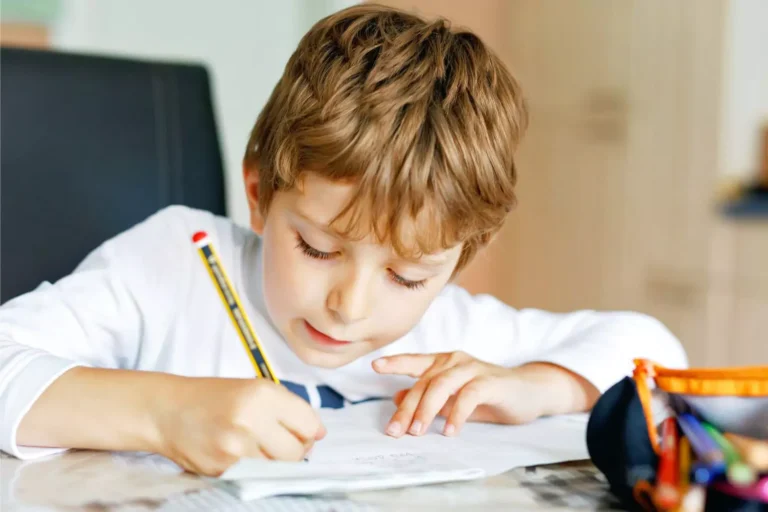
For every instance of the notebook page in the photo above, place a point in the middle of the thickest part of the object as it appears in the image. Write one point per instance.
(356, 435)
(357, 455)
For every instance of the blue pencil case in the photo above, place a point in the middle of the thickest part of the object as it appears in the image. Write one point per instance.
(732, 399)
(623, 436)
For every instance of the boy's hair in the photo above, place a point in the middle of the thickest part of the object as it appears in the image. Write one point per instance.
(422, 119)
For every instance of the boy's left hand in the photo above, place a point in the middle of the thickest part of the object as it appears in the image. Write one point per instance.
(462, 388)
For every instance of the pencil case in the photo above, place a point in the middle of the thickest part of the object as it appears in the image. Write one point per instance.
(732, 399)
(622, 434)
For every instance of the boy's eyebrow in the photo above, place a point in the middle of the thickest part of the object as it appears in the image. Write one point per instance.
(322, 227)
(424, 262)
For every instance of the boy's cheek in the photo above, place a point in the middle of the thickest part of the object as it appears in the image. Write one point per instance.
(398, 317)
(283, 279)
(278, 278)
(293, 287)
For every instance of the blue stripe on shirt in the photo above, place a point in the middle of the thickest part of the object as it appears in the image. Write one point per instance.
(329, 397)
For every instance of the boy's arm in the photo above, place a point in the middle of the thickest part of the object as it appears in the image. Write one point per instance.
(482, 360)
(202, 424)
(86, 319)
(95, 317)
(594, 347)
(96, 408)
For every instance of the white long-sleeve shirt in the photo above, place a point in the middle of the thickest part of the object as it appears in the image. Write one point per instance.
(145, 301)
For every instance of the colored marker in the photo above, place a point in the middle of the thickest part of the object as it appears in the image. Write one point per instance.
(684, 460)
(705, 474)
(702, 443)
(756, 492)
(692, 495)
(667, 494)
(753, 451)
(711, 462)
(738, 472)
(694, 500)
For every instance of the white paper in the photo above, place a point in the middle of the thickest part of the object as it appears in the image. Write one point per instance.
(356, 454)
(249, 469)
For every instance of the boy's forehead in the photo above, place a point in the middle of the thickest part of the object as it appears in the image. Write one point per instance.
(321, 198)
(320, 201)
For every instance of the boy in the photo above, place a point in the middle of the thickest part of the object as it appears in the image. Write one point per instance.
(381, 164)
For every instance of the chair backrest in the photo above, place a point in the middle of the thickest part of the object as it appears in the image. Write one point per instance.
(91, 146)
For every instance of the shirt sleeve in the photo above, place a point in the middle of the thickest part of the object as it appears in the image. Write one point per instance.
(599, 346)
(89, 318)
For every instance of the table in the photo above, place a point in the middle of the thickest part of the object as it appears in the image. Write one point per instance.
(110, 482)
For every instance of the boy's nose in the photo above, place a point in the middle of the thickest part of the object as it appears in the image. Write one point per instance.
(350, 302)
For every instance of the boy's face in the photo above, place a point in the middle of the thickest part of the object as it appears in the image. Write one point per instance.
(335, 300)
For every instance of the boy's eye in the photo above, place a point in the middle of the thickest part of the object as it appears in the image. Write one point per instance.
(311, 251)
(411, 285)
(320, 255)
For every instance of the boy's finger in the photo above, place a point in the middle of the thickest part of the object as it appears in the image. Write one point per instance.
(399, 396)
(403, 417)
(448, 407)
(481, 412)
(308, 448)
(467, 400)
(282, 444)
(255, 452)
(438, 392)
(301, 420)
(413, 365)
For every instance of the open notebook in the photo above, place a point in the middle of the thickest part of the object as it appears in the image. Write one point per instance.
(356, 455)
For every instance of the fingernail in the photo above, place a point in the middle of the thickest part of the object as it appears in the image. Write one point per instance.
(380, 363)
(394, 428)
(415, 427)
(449, 429)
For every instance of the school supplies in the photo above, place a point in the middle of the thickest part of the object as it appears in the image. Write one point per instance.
(234, 307)
(737, 471)
(733, 399)
(758, 491)
(684, 463)
(722, 413)
(357, 455)
(667, 493)
(753, 451)
(710, 456)
(694, 499)
(691, 494)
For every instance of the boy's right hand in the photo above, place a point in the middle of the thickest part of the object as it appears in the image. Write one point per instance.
(205, 425)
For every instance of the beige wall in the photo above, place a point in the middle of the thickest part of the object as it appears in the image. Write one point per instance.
(619, 170)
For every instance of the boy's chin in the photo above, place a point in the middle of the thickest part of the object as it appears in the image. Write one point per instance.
(322, 359)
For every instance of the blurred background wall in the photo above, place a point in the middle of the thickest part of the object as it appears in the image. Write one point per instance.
(244, 43)
(642, 111)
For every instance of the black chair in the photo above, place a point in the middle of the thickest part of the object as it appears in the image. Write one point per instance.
(91, 146)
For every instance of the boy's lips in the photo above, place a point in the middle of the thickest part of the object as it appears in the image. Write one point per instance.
(322, 338)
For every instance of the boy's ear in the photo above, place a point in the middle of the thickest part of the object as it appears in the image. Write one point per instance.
(251, 181)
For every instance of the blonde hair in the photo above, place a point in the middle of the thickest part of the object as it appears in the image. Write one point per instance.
(424, 120)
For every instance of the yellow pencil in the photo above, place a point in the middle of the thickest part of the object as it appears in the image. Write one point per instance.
(232, 302)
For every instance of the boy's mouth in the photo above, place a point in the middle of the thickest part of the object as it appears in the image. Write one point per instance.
(322, 338)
